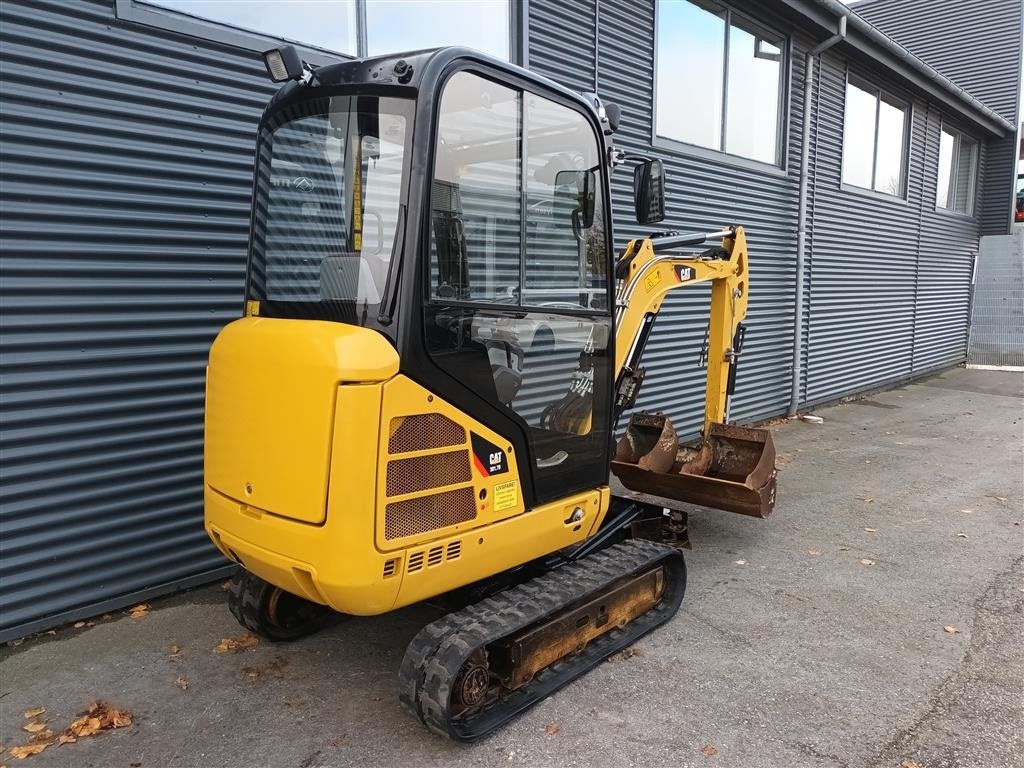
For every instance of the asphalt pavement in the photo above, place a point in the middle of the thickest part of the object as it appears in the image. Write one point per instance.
(875, 620)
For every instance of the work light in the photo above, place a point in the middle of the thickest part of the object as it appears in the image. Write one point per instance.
(283, 64)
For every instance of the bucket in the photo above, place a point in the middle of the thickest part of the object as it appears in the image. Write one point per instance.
(732, 469)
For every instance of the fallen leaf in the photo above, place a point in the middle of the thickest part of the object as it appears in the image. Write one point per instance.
(174, 650)
(741, 562)
(871, 530)
(226, 585)
(44, 735)
(910, 764)
(967, 511)
(552, 729)
(865, 561)
(237, 644)
(66, 738)
(951, 630)
(961, 535)
(35, 727)
(341, 741)
(868, 499)
(139, 611)
(844, 549)
(30, 713)
(99, 717)
(182, 683)
(20, 753)
(813, 552)
(250, 673)
(709, 750)
(79, 624)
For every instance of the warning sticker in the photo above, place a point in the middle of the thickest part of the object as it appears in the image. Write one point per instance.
(652, 280)
(505, 495)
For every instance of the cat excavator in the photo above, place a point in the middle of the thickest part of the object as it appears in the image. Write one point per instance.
(420, 401)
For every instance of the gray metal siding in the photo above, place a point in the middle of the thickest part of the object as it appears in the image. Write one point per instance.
(890, 278)
(976, 44)
(703, 195)
(127, 161)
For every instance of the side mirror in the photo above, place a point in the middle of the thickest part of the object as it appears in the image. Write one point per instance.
(582, 185)
(649, 191)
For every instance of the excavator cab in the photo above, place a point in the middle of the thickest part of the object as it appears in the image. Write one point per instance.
(437, 345)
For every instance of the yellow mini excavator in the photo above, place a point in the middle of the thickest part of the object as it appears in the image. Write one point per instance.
(437, 345)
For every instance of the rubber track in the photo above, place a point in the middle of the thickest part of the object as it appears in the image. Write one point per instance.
(437, 653)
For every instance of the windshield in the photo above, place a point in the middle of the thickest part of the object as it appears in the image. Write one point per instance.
(329, 195)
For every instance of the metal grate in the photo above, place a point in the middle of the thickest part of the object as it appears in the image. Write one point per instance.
(390, 567)
(454, 550)
(420, 473)
(428, 513)
(423, 431)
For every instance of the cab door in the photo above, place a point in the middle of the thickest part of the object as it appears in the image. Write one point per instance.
(517, 303)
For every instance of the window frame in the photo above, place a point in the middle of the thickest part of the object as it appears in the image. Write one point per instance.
(781, 165)
(958, 136)
(907, 105)
(523, 87)
(150, 13)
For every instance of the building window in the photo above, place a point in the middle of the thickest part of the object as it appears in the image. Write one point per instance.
(347, 27)
(874, 140)
(958, 165)
(332, 26)
(409, 25)
(719, 81)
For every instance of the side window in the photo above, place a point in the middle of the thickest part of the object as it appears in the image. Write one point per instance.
(958, 168)
(874, 139)
(565, 238)
(476, 215)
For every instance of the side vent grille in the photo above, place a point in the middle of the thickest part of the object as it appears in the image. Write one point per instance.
(428, 513)
(390, 567)
(420, 473)
(434, 556)
(424, 431)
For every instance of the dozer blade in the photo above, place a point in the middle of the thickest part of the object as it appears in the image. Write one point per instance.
(732, 469)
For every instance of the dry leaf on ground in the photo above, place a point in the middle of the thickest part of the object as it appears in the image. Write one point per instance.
(813, 552)
(34, 712)
(20, 753)
(871, 530)
(961, 535)
(340, 741)
(552, 729)
(910, 764)
(951, 630)
(237, 644)
(139, 611)
(741, 562)
(99, 717)
(226, 585)
(866, 561)
(709, 750)
(182, 683)
(34, 727)
(174, 650)
(79, 624)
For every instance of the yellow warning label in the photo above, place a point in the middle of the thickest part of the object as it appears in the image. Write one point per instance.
(652, 280)
(252, 308)
(506, 495)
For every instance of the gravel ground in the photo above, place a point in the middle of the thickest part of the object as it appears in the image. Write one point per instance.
(815, 638)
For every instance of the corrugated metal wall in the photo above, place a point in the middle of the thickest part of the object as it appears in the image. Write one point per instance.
(127, 162)
(890, 278)
(976, 44)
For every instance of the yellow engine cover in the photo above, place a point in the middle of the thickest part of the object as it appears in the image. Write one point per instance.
(270, 407)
